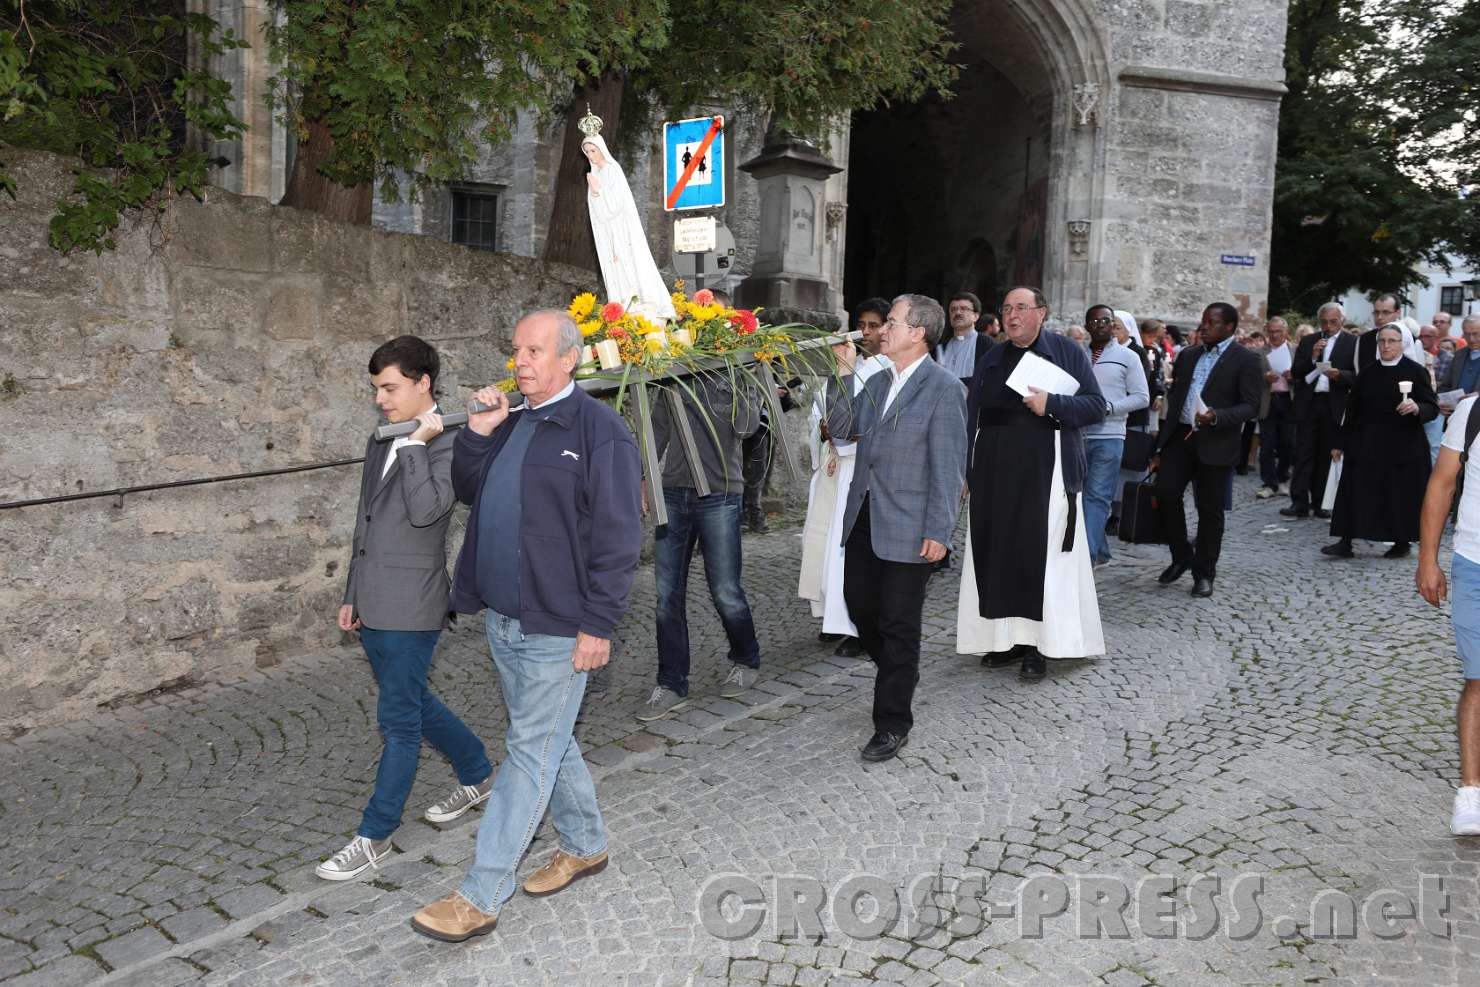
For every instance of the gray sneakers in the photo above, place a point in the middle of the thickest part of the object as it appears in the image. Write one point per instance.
(662, 702)
(354, 858)
(739, 681)
(463, 798)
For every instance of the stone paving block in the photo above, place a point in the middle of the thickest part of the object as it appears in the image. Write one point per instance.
(193, 924)
(71, 971)
(133, 947)
(248, 900)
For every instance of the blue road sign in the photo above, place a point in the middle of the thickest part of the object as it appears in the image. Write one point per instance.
(1238, 260)
(705, 188)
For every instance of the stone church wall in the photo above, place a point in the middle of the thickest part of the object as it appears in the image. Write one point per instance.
(232, 337)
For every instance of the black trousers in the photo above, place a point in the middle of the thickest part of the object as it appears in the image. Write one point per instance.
(1314, 437)
(1179, 467)
(885, 600)
(1276, 442)
(756, 465)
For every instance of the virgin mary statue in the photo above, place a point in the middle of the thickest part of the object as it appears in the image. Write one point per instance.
(627, 266)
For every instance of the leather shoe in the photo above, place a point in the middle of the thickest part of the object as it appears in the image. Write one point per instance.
(1398, 551)
(1172, 573)
(1001, 659)
(1340, 549)
(562, 869)
(883, 745)
(827, 638)
(1202, 586)
(453, 919)
(1323, 515)
(1293, 511)
(1034, 667)
(848, 647)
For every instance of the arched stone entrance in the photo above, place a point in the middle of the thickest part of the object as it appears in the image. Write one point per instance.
(974, 193)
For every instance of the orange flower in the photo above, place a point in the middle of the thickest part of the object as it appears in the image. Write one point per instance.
(611, 312)
(703, 297)
(744, 321)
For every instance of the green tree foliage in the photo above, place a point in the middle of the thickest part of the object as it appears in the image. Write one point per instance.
(108, 82)
(1365, 191)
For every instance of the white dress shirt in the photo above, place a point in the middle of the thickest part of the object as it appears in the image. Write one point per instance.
(400, 443)
(898, 378)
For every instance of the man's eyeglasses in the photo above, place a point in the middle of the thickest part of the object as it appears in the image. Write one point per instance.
(893, 324)
(1007, 310)
(1099, 322)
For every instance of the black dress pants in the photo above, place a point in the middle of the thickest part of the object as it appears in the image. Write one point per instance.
(1314, 437)
(885, 600)
(1179, 467)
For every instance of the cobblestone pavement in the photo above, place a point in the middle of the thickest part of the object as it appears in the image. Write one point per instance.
(1292, 736)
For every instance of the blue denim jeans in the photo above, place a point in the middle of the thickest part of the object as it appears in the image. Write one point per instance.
(408, 711)
(1100, 478)
(543, 767)
(1434, 431)
(713, 523)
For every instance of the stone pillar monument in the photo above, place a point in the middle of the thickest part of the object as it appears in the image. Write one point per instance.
(788, 277)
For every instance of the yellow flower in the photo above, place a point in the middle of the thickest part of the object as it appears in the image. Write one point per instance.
(706, 312)
(642, 326)
(654, 344)
(590, 327)
(582, 306)
(508, 385)
(510, 364)
(680, 303)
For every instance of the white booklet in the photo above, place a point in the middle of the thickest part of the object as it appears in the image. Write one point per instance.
(1034, 371)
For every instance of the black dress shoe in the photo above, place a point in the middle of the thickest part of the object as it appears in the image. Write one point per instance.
(882, 746)
(1323, 515)
(1034, 667)
(1398, 551)
(1172, 573)
(1001, 659)
(848, 647)
(1202, 586)
(1293, 511)
(1341, 549)
(827, 638)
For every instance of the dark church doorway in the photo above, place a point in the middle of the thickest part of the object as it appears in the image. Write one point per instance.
(952, 195)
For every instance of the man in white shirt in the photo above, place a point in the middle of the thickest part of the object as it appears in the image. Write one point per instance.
(1277, 427)
(1465, 602)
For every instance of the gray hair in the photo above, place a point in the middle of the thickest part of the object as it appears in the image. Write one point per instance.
(926, 313)
(1276, 318)
(1330, 306)
(1470, 320)
(567, 333)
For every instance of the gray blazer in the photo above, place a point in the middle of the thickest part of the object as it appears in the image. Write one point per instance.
(398, 560)
(911, 458)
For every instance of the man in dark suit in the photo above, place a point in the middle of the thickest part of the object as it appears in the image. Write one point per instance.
(959, 350)
(1217, 387)
(1318, 406)
(396, 597)
(910, 425)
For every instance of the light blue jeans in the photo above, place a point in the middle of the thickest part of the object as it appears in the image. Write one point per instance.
(543, 767)
(1434, 431)
(1100, 479)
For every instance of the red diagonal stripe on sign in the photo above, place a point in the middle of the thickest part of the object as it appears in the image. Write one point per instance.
(688, 172)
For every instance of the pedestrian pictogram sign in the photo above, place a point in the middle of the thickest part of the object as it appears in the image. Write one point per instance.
(694, 164)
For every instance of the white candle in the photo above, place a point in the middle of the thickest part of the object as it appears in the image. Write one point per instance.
(588, 356)
(609, 354)
(1405, 387)
(682, 336)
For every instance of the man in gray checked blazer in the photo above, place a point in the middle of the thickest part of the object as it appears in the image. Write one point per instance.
(395, 596)
(910, 425)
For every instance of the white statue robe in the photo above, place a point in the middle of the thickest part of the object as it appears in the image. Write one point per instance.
(821, 581)
(627, 267)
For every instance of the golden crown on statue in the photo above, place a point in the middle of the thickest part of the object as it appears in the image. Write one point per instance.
(590, 124)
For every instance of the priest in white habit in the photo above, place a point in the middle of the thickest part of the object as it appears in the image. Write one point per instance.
(627, 268)
(1027, 590)
(1383, 451)
(821, 580)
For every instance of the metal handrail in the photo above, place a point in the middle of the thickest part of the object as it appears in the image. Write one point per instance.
(121, 492)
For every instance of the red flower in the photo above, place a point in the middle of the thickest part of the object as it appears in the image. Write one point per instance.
(611, 312)
(744, 321)
(703, 297)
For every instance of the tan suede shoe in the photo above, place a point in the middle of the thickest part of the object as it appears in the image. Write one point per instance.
(453, 919)
(561, 871)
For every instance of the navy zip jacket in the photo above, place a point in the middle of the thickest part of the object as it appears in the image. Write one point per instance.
(580, 529)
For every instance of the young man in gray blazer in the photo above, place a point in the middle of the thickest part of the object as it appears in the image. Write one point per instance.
(396, 598)
(910, 426)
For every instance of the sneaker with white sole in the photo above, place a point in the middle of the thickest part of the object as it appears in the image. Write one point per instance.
(662, 702)
(739, 681)
(1466, 819)
(463, 798)
(352, 861)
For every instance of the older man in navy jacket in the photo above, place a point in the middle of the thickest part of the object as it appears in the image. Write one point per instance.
(550, 551)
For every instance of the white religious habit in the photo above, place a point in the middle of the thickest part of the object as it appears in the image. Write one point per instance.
(821, 581)
(627, 268)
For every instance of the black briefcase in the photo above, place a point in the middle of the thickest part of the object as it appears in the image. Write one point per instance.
(1140, 522)
(1138, 449)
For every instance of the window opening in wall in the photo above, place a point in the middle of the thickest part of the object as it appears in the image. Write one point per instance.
(475, 219)
(1452, 299)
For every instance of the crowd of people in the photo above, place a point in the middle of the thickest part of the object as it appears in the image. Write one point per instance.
(932, 409)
